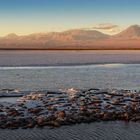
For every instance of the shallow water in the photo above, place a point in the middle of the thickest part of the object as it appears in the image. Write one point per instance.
(121, 76)
(9, 99)
(93, 131)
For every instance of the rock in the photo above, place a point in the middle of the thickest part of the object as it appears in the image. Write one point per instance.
(136, 118)
(55, 124)
(106, 116)
(82, 108)
(126, 116)
(34, 110)
(41, 121)
(12, 112)
(30, 124)
(61, 114)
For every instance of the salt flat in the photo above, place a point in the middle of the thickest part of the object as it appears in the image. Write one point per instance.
(51, 58)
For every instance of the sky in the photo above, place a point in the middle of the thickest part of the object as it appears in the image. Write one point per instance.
(30, 16)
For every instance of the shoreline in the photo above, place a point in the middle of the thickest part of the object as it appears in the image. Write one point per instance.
(62, 65)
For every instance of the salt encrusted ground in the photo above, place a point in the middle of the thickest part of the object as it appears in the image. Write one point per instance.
(67, 107)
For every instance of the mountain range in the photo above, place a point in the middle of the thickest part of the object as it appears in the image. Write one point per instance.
(74, 39)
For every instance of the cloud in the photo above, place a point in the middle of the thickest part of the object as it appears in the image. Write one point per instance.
(105, 26)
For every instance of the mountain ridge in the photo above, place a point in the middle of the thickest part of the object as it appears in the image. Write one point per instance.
(74, 39)
(132, 32)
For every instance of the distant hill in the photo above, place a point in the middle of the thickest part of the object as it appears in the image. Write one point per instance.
(74, 39)
(132, 32)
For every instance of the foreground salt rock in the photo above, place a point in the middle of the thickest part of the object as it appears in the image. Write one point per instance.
(70, 107)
